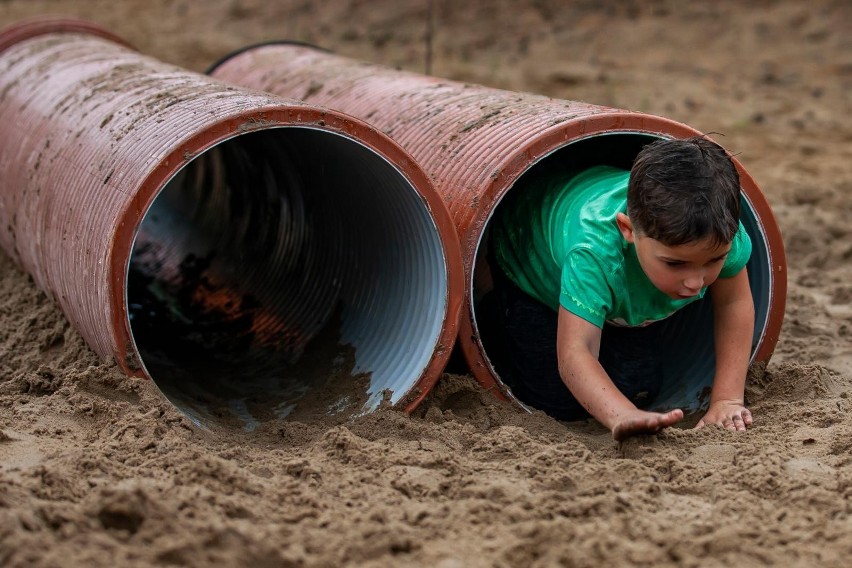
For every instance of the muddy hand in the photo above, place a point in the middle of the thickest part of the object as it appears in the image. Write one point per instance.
(643, 422)
(729, 414)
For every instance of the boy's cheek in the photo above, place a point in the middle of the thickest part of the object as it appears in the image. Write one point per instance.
(711, 278)
(666, 279)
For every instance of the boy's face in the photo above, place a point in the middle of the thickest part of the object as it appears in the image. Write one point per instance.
(678, 271)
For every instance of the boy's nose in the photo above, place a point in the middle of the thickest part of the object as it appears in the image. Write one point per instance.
(694, 282)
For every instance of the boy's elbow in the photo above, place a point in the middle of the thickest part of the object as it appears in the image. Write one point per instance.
(578, 343)
(571, 362)
(566, 369)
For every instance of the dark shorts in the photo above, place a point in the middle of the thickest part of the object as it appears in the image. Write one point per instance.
(519, 335)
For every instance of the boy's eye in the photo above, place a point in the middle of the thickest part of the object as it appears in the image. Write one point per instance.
(673, 263)
(717, 260)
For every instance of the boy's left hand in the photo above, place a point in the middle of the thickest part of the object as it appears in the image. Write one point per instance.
(729, 414)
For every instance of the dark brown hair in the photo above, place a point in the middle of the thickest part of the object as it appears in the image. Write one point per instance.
(683, 191)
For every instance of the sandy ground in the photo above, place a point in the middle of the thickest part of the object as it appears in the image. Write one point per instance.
(98, 470)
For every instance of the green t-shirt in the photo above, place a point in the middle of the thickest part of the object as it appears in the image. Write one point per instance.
(560, 244)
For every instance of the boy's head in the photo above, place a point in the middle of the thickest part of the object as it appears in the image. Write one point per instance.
(684, 191)
(683, 209)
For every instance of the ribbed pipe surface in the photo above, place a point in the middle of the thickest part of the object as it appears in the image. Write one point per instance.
(476, 142)
(253, 255)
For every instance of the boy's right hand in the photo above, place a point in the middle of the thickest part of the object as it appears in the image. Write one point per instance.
(644, 422)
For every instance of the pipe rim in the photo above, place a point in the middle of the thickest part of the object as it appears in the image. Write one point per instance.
(532, 151)
(283, 116)
(125, 351)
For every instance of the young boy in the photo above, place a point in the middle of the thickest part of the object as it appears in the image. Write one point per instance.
(587, 264)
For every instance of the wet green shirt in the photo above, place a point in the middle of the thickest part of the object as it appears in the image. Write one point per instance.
(561, 245)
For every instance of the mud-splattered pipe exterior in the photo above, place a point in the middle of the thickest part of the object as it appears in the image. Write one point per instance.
(93, 131)
(475, 142)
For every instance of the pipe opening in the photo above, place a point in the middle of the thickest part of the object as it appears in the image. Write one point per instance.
(689, 360)
(289, 272)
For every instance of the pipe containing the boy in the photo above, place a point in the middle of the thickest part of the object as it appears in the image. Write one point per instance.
(255, 256)
(475, 142)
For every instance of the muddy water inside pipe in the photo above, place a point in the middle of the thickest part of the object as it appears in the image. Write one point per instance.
(687, 346)
(272, 278)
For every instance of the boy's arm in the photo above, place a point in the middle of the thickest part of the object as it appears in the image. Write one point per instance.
(578, 345)
(733, 328)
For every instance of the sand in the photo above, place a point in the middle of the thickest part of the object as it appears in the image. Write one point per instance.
(97, 469)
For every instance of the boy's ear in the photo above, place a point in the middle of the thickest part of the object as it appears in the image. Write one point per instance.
(625, 226)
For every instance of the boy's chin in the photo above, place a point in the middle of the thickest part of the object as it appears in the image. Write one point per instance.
(676, 296)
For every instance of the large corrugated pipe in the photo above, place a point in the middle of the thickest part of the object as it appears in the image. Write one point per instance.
(476, 142)
(250, 254)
